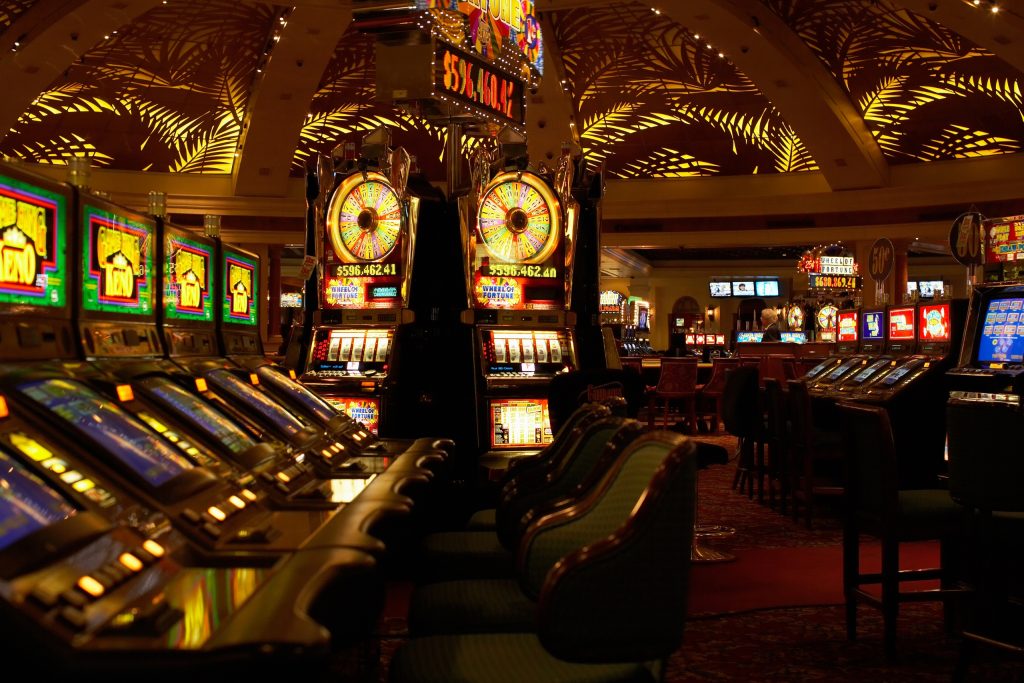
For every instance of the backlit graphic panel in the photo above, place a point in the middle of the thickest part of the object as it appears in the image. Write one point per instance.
(519, 422)
(33, 239)
(117, 263)
(365, 410)
(240, 285)
(187, 277)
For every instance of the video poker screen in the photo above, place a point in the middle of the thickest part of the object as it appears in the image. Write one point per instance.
(188, 406)
(255, 399)
(108, 425)
(873, 326)
(27, 504)
(313, 403)
(1002, 332)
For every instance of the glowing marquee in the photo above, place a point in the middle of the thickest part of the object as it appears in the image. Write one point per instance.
(492, 22)
(498, 292)
(117, 263)
(239, 302)
(31, 245)
(187, 273)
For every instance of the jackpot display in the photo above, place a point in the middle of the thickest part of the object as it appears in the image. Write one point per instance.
(33, 244)
(117, 262)
(518, 262)
(241, 282)
(188, 278)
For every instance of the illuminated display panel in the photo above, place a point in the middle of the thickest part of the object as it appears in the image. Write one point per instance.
(869, 372)
(249, 396)
(109, 426)
(208, 598)
(117, 261)
(240, 282)
(744, 288)
(188, 278)
(1004, 239)
(841, 370)
(518, 260)
(365, 410)
(847, 326)
(794, 337)
(192, 409)
(492, 24)
(26, 503)
(901, 324)
(766, 287)
(33, 244)
(519, 422)
(749, 336)
(529, 352)
(1002, 335)
(934, 323)
(313, 403)
(873, 327)
(365, 228)
(353, 351)
(720, 289)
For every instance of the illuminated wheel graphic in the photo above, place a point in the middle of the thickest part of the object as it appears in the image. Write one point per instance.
(364, 219)
(519, 219)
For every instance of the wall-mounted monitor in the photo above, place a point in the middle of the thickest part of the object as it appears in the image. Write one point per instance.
(743, 288)
(928, 289)
(766, 287)
(720, 289)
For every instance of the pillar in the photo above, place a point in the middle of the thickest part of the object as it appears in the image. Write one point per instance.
(862, 252)
(274, 291)
(899, 271)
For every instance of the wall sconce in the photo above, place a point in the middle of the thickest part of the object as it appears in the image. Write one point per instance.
(709, 314)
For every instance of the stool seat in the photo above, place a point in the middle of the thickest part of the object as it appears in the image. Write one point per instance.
(482, 520)
(477, 606)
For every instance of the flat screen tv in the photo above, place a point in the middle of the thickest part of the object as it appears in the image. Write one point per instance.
(720, 289)
(766, 287)
(928, 289)
(743, 288)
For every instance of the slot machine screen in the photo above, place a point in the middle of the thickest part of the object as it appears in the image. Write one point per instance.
(934, 322)
(699, 340)
(841, 370)
(1002, 335)
(108, 425)
(902, 324)
(27, 504)
(869, 372)
(188, 278)
(517, 423)
(873, 328)
(896, 374)
(847, 326)
(189, 407)
(641, 319)
(748, 336)
(34, 244)
(794, 337)
(719, 340)
(117, 260)
(303, 396)
(255, 399)
(239, 288)
(691, 340)
(365, 410)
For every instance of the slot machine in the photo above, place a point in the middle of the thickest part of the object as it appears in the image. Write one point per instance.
(826, 322)
(518, 248)
(352, 361)
(990, 364)
(900, 342)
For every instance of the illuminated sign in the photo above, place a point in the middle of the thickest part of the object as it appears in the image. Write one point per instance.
(384, 292)
(847, 326)
(901, 323)
(821, 281)
(491, 22)
(32, 245)
(366, 269)
(240, 283)
(1005, 239)
(611, 301)
(365, 410)
(344, 292)
(935, 323)
(471, 81)
(519, 422)
(873, 326)
(837, 265)
(827, 317)
(116, 263)
(187, 277)
(498, 292)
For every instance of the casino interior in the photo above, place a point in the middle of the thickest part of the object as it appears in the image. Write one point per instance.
(512, 340)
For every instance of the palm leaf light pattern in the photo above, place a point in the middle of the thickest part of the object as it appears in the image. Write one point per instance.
(167, 92)
(11, 10)
(925, 92)
(344, 109)
(653, 102)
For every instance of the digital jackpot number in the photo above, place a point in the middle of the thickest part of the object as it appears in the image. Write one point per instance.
(366, 269)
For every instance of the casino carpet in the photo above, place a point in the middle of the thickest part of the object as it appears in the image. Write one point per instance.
(776, 613)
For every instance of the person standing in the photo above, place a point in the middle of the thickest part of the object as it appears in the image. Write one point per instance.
(770, 325)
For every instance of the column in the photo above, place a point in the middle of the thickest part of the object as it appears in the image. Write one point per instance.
(274, 305)
(862, 252)
(899, 271)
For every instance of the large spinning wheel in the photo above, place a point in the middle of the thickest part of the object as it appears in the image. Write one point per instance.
(364, 219)
(519, 218)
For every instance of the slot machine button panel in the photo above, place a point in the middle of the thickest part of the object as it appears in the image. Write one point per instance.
(44, 598)
(73, 617)
(74, 598)
(191, 516)
(211, 530)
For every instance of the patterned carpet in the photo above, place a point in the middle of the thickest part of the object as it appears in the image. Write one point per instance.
(805, 643)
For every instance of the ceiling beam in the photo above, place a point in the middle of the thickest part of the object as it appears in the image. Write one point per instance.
(1000, 33)
(280, 103)
(48, 48)
(796, 82)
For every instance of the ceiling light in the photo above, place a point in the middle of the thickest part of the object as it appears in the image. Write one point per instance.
(995, 9)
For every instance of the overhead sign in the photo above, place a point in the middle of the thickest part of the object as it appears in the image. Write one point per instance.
(1004, 239)
(473, 82)
(966, 237)
(881, 260)
(821, 281)
(495, 23)
(837, 265)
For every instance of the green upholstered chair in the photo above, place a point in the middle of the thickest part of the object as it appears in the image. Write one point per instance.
(481, 554)
(537, 465)
(875, 506)
(610, 577)
(986, 476)
(483, 605)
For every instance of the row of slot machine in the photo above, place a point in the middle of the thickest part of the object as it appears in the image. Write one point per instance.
(166, 494)
(517, 244)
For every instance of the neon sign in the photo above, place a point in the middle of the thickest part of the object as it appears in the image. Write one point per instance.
(493, 22)
(31, 245)
(239, 302)
(498, 292)
(187, 272)
(117, 263)
(474, 82)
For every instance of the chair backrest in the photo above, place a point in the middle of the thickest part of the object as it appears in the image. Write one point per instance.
(740, 402)
(569, 390)
(800, 413)
(986, 466)
(871, 487)
(586, 454)
(562, 440)
(632, 363)
(678, 376)
(719, 367)
(775, 409)
(772, 365)
(615, 571)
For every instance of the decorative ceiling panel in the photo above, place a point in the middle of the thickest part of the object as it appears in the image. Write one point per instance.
(345, 109)
(168, 92)
(653, 101)
(11, 10)
(925, 92)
